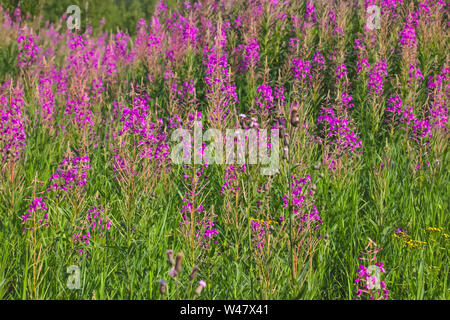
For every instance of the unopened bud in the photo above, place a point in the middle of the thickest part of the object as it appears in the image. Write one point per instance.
(170, 257)
(294, 117)
(178, 261)
(162, 287)
(173, 273)
(193, 273)
(286, 139)
(200, 287)
(285, 152)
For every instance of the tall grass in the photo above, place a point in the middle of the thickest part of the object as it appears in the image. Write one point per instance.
(108, 103)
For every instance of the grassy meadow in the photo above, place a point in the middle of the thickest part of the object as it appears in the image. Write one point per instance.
(358, 207)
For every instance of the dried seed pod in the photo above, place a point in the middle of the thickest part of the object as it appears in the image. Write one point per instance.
(170, 257)
(286, 139)
(283, 131)
(193, 273)
(178, 262)
(243, 119)
(317, 166)
(294, 117)
(10, 156)
(285, 152)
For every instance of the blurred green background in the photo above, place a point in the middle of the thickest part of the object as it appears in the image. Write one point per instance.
(123, 14)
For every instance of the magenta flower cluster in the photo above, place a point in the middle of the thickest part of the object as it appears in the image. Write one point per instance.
(301, 70)
(250, 55)
(71, 173)
(371, 284)
(221, 91)
(148, 137)
(339, 131)
(231, 182)
(258, 230)
(302, 202)
(12, 132)
(28, 51)
(376, 75)
(95, 224)
(420, 130)
(414, 74)
(37, 215)
(206, 232)
(46, 99)
(407, 36)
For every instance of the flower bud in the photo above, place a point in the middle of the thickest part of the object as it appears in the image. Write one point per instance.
(173, 273)
(200, 287)
(162, 287)
(178, 261)
(294, 117)
(285, 152)
(193, 273)
(286, 139)
(170, 257)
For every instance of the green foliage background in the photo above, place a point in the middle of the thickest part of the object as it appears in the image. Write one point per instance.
(122, 14)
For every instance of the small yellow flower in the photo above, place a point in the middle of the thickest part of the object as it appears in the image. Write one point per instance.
(435, 268)
(268, 222)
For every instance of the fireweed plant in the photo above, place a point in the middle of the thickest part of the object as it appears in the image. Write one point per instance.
(368, 280)
(87, 178)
